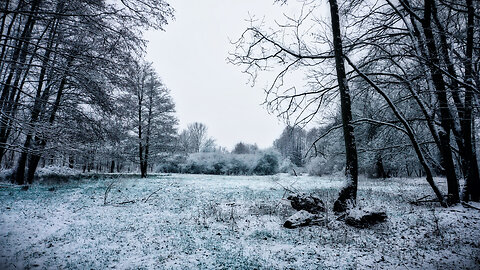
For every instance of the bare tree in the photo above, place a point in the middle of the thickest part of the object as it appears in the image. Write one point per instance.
(349, 193)
(195, 139)
(432, 53)
(151, 110)
(59, 60)
(259, 51)
(380, 43)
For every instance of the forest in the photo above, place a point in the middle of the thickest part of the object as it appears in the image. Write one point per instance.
(376, 167)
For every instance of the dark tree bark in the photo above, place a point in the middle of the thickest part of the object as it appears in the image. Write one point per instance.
(40, 100)
(71, 161)
(380, 170)
(348, 194)
(18, 60)
(40, 143)
(141, 146)
(112, 166)
(147, 135)
(462, 130)
(446, 121)
(410, 133)
(472, 191)
(8, 34)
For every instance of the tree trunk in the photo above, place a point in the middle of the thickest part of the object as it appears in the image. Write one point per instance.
(38, 106)
(409, 131)
(472, 191)
(445, 114)
(348, 195)
(462, 123)
(41, 142)
(71, 161)
(32, 167)
(10, 86)
(112, 166)
(19, 172)
(380, 170)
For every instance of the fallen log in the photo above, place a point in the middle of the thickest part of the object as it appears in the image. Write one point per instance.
(303, 218)
(367, 220)
(307, 202)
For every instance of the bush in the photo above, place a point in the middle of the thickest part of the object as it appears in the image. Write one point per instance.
(319, 166)
(204, 163)
(170, 164)
(267, 165)
(287, 166)
(221, 164)
(237, 167)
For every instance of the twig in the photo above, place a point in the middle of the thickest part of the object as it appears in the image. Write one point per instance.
(469, 206)
(421, 200)
(455, 252)
(126, 202)
(437, 227)
(423, 197)
(109, 187)
(151, 194)
(424, 201)
(78, 209)
(285, 188)
(405, 265)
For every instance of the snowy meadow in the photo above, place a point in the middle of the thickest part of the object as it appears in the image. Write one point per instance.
(130, 139)
(227, 222)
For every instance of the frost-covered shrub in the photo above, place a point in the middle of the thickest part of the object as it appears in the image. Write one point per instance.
(56, 170)
(195, 168)
(316, 166)
(57, 174)
(243, 163)
(267, 164)
(287, 166)
(171, 164)
(237, 166)
(319, 166)
(219, 167)
(205, 163)
(222, 164)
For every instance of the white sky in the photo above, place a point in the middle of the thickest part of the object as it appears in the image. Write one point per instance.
(190, 57)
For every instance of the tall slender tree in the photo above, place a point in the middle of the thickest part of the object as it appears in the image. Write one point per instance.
(151, 113)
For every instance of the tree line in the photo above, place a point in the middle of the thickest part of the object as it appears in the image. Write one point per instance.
(394, 76)
(74, 83)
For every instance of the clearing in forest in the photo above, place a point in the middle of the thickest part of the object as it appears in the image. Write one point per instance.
(212, 222)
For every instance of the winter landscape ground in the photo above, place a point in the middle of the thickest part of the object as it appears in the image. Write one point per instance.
(227, 222)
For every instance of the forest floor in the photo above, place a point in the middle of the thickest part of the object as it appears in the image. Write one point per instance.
(227, 222)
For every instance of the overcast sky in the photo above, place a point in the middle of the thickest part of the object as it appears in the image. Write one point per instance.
(190, 57)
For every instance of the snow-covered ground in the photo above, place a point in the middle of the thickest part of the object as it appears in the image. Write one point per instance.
(225, 222)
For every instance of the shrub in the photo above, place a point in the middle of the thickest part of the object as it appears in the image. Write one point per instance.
(319, 166)
(221, 163)
(237, 167)
(267, 164)
(171, 164)
(287, 166)
(219, 167)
